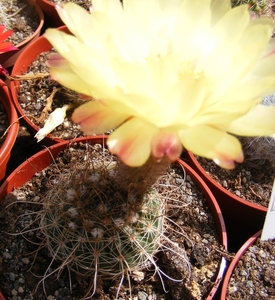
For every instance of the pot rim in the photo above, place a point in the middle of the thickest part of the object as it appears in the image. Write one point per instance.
(6, 100)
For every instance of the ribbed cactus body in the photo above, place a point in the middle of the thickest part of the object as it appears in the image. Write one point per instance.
(96, 228)
(260, 7)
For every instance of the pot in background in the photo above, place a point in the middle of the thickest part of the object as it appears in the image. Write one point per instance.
(237, 212)
(9, 139)
(8, 59)
(235, 261)
(52, 18)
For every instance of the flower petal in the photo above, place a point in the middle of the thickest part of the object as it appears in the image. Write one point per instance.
(132, 142)
(61, 71)
(212, 143)
(166, 144)
(95, 118)
(91, 65)
(259, 121)
(4, 34)
(219, 8)
(200, 24)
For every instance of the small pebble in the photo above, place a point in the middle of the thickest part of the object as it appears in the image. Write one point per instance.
(11, 276)
(238, 193)
(6, 255)
(142, 295)
(25, 260)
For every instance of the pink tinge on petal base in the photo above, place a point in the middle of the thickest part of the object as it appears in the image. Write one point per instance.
(95, 118)
(131, 142)
(166, 144)
(55, 60)
(229, 164)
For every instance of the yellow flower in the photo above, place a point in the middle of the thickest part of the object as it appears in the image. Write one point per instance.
(169, 74)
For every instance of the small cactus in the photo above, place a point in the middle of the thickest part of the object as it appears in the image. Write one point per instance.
(259, 150)
(260, 7)
(98, 222)
(94, 231)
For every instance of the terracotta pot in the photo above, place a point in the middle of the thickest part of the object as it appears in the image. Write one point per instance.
(235, 261)
(21, 65)
(238, 213)
(5, 149)
(8, 59)
(43, 158)
(51, 16)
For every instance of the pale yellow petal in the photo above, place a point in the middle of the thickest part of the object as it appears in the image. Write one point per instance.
(131, 142)
(76, 19)
(191, 28)
(211, 143)
(219, 8)
(174, 105)
(247, 53)
(265, 66)
(61, 71)
(111, 8)
(259, 121)
(91, 66)
(95, 118)
(223, 40)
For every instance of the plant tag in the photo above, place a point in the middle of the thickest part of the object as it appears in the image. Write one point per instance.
(269, 224)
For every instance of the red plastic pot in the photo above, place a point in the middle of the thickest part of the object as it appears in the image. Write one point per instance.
(238, 212)
(21, 65)
(8, 59)
(235, 261)
(51, 15)
(5, 149)
(43, 158)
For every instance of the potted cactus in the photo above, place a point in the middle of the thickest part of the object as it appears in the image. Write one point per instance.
(159, 95)
(111, 223)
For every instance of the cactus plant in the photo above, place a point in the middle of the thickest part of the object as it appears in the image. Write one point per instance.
(102, 220)
(260, 7)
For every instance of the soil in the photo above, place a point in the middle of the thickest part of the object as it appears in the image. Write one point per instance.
(39, 96)
(20, 17)
(253, 179)
(84, 3)
(254, 275)
(23, 262)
